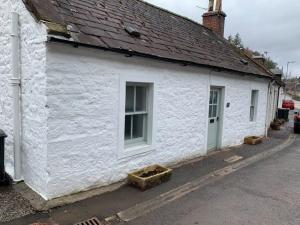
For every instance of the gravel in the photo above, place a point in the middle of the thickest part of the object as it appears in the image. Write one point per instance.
(13, 205)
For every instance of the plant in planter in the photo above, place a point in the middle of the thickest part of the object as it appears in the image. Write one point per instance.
(280, 121)
(275, 125)
(149, 177)
(253, 140)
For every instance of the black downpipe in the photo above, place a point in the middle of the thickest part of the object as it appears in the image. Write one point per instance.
(4, 178)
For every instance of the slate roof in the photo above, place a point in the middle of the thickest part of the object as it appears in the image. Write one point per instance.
(164, 35)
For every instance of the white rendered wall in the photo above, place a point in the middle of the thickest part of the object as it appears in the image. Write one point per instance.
(83, 88)
(281, 97)
(33, 66)
(273, 102)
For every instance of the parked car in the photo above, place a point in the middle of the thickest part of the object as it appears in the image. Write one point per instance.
(297, 123)
(288, 104)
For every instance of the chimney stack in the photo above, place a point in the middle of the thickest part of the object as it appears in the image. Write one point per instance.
(259, 59)
(214, 19)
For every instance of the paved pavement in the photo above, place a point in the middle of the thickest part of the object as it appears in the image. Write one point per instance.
(267, 192)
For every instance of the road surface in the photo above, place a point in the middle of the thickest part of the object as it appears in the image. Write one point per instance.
(297, 104)
(265, 193)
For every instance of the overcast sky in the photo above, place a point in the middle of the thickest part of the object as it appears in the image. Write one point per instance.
(265, 25)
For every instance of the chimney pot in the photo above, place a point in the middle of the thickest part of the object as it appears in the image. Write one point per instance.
(214, 19)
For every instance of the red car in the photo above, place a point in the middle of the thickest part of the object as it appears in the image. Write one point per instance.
(297, 123)
(288, 104)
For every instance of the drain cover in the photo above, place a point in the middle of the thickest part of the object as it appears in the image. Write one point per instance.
(233, 159)
(92, 221)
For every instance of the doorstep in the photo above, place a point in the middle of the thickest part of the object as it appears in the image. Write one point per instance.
(119, 197)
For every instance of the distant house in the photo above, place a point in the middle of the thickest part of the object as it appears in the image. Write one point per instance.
(279, 85)
(106, 87)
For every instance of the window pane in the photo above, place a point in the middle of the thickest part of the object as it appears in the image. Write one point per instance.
(140, 99)
(138, 126)
(253, 97)
(129, 98)
(210, 111)
(214, 113)
(252, 113)
(128, 127)
(215, 100)
(211, 97)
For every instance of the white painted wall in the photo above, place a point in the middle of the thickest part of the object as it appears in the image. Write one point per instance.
(33, 66)
(83, 99)
(281, 97)
(273, 102)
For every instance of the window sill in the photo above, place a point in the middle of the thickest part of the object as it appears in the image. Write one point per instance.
(136, 150)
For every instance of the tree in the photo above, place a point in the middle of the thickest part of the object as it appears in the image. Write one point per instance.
(237, 41)
(270, 64)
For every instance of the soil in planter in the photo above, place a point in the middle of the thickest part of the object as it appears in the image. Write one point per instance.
(254, 137)
(150, 173)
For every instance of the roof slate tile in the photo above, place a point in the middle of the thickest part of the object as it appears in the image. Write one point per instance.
(164, 34)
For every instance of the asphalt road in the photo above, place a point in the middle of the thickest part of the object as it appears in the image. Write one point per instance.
(265, 193)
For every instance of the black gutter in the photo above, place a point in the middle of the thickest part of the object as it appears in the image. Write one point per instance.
(132, 53)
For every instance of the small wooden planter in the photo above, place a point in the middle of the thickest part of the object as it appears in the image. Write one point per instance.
(149, 177)
(253, 140)
(275, 126)
(281, 121)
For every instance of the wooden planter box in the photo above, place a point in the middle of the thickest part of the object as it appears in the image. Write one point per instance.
(275, 126)
(281, 121)
(149, 177)
(253, 140)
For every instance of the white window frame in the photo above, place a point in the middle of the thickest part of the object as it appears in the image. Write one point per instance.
(254, 96)
(142, 140)
(148, 145)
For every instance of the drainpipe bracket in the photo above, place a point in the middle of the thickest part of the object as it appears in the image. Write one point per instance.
(15, 81)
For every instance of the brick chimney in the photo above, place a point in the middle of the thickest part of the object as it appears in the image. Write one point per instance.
(259, 59)
(214, 19)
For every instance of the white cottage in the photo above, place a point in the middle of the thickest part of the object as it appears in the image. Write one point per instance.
(91, 90)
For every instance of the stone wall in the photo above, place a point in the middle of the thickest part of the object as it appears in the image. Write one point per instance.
(34, 111)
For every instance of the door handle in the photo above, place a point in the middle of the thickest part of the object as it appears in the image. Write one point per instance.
(218, 118)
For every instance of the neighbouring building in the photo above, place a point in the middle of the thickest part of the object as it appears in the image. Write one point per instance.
(280, 86)
(107, 87)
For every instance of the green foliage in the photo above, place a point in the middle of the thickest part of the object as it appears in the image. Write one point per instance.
(237, 41)
(297, 98)
(270, 64)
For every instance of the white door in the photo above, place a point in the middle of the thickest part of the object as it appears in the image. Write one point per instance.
(214, 118)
